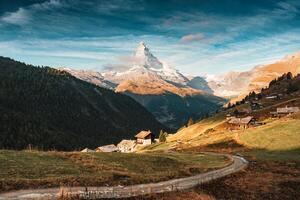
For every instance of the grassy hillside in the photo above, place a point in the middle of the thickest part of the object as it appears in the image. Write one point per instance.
(278, 139)
(92, 169)
(277, 136)
(50, 109)
(188, 133)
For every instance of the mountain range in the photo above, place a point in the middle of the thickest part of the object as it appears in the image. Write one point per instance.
(170, 96)
(174, 98)
(239, 84)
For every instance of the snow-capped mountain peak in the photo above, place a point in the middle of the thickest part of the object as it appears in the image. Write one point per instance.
(146, 58)
(150, 62)
(145, 66)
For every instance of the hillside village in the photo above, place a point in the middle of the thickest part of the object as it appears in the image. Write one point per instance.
(143, 138)
(275, 101)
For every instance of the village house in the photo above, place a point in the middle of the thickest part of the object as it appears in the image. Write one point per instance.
(107, 148)
(284, 111)
(237, 123)
(144, 138)
(255, 105)
(126, 146)
(274, 96)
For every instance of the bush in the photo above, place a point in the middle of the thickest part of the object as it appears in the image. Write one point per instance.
(163, 136)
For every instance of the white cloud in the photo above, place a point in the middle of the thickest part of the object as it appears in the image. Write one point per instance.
(23, 15)
(192, 37)
(20, 17)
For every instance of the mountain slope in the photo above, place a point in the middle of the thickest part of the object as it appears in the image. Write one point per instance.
(199, 83)
(49, 109)
(287, 87)
(170, 96)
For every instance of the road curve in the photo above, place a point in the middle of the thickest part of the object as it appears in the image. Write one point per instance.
(238, 164)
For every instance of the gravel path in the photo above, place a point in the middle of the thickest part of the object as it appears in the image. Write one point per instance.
(238, 164)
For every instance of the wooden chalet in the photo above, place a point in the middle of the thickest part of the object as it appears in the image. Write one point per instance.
(244, 122)
(284, 111)
(144, 137)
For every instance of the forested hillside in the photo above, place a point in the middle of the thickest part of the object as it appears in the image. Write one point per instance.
(51, 109)
(284, 87)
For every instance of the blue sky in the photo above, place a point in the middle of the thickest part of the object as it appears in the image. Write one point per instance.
(195, 36)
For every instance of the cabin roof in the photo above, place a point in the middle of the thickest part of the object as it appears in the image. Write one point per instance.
(143, 134)
(244, 120)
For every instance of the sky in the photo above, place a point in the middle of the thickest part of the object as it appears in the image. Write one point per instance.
(197, 37)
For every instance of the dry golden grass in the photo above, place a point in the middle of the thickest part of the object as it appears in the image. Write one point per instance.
(195, 130)
(32, 169)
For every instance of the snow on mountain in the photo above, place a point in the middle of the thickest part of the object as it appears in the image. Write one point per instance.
(90, 76)
(170, 96)
(144, 70)
(146, 63)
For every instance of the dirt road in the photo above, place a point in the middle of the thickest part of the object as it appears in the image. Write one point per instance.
(238, 164)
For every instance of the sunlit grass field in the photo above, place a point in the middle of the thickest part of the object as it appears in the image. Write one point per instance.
(279, 139)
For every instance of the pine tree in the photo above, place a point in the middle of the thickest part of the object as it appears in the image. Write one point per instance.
(289, 76)
(190, 122)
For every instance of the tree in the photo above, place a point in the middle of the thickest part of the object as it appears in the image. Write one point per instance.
(236, 112)
(229, 105)
(163, 136)
(289, 76)
(272, 82)
(190, 122)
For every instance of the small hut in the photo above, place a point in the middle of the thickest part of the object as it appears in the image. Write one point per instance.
(107, 148)
(144, 137)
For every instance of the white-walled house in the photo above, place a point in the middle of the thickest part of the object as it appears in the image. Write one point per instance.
(144, 138)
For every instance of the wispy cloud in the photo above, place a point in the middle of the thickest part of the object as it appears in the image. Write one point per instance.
(19, 17)
(225, 28)
(192, 37)
(23, 15)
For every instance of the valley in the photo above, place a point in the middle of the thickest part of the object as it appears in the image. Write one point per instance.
(149, 100)
(269, 140)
